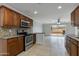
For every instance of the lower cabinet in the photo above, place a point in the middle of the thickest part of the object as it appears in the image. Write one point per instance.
(72, 46)
(11, 46)
(73, 49)
(20, 44)
(15, 45)
(78, 51)
(34, 38)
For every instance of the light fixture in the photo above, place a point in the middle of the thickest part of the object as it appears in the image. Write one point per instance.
(35, 12)
(59, 7)
(58, 21)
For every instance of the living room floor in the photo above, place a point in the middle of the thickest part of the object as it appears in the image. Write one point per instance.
(53, 46)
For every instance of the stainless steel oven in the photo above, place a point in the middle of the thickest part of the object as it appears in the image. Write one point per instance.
(28, 40)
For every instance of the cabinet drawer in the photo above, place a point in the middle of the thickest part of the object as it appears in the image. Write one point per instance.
(12, 50)
(73, 49)
(78, 44)
(74, 41)
(11, 40)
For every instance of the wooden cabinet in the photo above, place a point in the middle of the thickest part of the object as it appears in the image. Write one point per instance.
(75, 17)
(15, 45)
(20, 44)
(23, 17)
(3, 46)
(34, 38)
(73, 49)
(10, 18)
(11, 46)
(6, 17)
(17, 20)
(78, 48)
(71, 46)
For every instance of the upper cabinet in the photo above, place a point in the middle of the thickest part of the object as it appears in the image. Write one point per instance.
(11, 19)
(75, 17)
(6, 17)
(17, 20)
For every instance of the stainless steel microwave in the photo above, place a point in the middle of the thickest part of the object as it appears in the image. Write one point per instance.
(24, 23)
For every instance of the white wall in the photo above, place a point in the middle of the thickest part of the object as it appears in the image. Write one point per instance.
(37, 27)
(47, 28)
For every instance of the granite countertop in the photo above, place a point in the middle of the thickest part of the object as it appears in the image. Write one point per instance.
(37, 33)
(7, 37)
(74, 36)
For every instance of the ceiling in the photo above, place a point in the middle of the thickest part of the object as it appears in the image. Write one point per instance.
(47, 12)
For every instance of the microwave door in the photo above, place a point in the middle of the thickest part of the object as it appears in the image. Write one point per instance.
(24, 24)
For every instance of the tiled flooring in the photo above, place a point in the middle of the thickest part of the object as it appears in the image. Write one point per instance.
(53, 46)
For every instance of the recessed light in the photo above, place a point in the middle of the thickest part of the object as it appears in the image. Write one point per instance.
(35, 12)
(59, 7)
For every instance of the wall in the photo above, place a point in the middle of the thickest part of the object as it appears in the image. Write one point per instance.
(47, 28)
(37, 27)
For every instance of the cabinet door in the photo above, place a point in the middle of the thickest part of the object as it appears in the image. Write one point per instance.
(22, 17)
(78, 50)
(20, 44)
(34, 38)
(73, 18)
(8, 17)
(12, 46)
(73, 49)
(77, 17)
(17, 20)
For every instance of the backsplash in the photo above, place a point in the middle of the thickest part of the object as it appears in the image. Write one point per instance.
(7, 32)
(28, 30)
(11, 32)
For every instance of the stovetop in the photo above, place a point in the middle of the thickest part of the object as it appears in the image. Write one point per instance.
(24, 33)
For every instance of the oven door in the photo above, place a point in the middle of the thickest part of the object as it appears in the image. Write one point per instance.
(28, 40)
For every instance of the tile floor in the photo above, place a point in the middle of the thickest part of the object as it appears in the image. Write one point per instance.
(53, 46)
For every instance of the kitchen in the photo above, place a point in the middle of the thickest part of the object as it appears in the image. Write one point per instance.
(20, 32)
(16, 31)
(10, 22)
